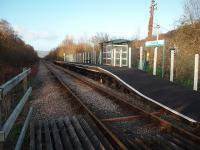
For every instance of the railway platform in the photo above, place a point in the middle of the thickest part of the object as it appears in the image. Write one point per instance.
(175, 98)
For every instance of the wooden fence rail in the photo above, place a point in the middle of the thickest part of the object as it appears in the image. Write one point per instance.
(9, 123)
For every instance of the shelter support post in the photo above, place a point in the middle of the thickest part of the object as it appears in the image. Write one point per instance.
(141, 58)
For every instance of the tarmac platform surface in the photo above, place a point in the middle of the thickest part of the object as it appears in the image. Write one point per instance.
(176, 97)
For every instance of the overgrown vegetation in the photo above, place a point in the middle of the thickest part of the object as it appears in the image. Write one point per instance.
(70, 46)
(13, 49)
(14, 52)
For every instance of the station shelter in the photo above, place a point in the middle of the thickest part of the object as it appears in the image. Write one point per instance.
(116, 53)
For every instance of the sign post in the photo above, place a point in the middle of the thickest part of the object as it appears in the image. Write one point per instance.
(155, 61)
(156, 44)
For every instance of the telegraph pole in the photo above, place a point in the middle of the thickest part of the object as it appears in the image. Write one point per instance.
(157, 31)
(151, 18)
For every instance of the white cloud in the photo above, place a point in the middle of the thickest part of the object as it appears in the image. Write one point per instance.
(35, 35)
(39, 39)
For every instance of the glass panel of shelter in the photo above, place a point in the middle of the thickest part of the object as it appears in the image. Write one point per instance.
(125, 56)
(117, 56)
(107, 55)
(123, 51)
(120, 52)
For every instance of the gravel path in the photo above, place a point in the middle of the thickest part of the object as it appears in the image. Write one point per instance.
(49, 99)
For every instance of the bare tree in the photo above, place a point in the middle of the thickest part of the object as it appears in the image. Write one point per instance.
(13, 49)
(99, 37)
(191, 11)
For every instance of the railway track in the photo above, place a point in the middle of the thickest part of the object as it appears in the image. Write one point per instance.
(112, 85)
(127, 126)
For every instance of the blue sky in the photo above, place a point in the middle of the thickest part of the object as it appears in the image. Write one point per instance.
(45, 23)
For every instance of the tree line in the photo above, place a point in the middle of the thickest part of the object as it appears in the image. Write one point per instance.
(69, 45)
(13, 50)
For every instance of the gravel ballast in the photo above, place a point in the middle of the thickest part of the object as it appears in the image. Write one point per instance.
(102, 106)
(49, 99)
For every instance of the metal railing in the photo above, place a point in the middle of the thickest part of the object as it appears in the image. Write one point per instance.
(8, 123)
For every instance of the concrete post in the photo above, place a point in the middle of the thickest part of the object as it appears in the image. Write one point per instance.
(141, 58)
(172, 66)
(196, 72)
(129, 57)
(155, 60)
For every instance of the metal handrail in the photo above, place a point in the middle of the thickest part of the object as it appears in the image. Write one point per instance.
(9, 85)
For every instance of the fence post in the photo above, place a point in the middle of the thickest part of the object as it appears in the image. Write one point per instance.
(172, 65)
(64, 57)
(120, 57)
(141, 58)
(1, 111)
(129, 59)
(25, 81)
(95, 57)
(155, 60)
(196, 72)
(1, 100)
(85, 57)
(79, 57)
(88, 59)
(114, 59)
(100, 57)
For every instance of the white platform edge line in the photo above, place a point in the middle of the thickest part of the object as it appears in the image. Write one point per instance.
(150, 99)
